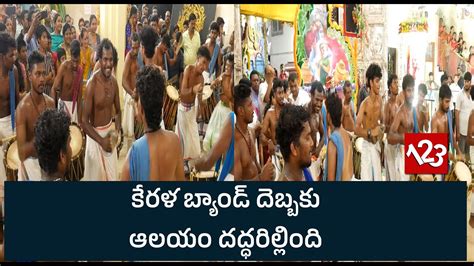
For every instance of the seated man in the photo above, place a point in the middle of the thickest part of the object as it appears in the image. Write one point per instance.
(53, 144)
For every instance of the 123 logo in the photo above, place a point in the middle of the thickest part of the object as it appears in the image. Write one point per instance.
(426, 153)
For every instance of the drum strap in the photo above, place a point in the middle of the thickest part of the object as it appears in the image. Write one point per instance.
(337, 140)
(11, 79)
(307, 175)
(415, 120)
(140, 61)
(215, 54)
(76, 86)
(229, 156)
(325, 125)
(450, 128)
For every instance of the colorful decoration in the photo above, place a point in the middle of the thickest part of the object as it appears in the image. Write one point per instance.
(198, 10)
(414, 25)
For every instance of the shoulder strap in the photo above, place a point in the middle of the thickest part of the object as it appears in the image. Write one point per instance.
(337, 140)
(11, 80)
(415, 120)
(229, 156)
(323, 111)
(139, 160)
(450, 128)
(307, 175)
(212, 64)
(140, 61)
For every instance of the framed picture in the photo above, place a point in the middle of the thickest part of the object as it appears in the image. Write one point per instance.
(351, 29)
(430, 52)
(392, 61)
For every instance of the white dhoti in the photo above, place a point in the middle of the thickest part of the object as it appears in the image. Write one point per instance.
(389, 162)
(216, 123)
(187, 131)
(29, 170)
(371, 166)
(68, 109)
(98, 164)
(128, 120)
(400, 164)
(5, 132)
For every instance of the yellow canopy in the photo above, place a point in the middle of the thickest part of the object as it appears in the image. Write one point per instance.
(281, 12)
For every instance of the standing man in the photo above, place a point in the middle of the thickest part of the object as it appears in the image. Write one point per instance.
(27, 112)
(422, 110)
(68, 84)
(348, 109)
(215, 50)
(316, 120)
(264, 92)
(404, 122)
(293, 134)
(256, 101)
(101, 105)
(363, 92)
(390, 110)
(464, 107)
(368, 126)
(168, 22)
(191, 41)
(9, 92)
(298, 96)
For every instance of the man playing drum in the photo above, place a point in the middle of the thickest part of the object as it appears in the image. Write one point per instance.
(368, 126)
(293, 134)
(422, 110)
(317, 124)
(192, 86)
(27, 112)
(68, 84)
(100, 104)
(9, 92)
(155, 156)
(53, 144)
(245, 154)
(339, 165)
(390, 110)
(405, 122)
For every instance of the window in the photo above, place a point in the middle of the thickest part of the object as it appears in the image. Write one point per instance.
(277, 28)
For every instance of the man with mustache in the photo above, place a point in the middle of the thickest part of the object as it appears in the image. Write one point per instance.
(390, 110)
(101, 105)
(27, 112)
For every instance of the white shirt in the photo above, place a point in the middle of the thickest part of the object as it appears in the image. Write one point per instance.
(261, 94)
(464, 106)
(302, 99)
(455, 90)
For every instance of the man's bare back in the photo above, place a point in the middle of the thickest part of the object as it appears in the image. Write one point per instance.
(347, 168)
(130, 73)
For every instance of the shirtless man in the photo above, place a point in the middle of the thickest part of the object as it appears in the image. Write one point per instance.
(131, 67)
(186, 124)
(245, 154)
(27, 112)
(339, 156)
(9, 92)
(390, 110)
(404, 122)
(215, 51)
(422, 110)
(348, 110)
(293, 134)
(161, 54)
(155, 156)
(101, 105)
(68, 84)
(368, 126)
(316, 119)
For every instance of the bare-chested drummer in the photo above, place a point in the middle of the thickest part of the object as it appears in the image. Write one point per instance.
(186, 124)
(131, 67)
(348, 108)
(422, 110)
(101, 104)
(67, 87)
(404, 122)
(339, 166)
(316, 119)
(27, 112)
(368, 126)
(156, 156)
(246, 167)
(390, 110)
(9, 92)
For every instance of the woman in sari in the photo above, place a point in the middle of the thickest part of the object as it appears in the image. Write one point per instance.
(56, 37)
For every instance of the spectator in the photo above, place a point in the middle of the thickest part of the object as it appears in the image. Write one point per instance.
(94, 37)
(56, 36)
(191, 41)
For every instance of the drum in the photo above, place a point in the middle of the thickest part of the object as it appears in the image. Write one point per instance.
(11, 159)
(460, 172)
(203, 176)
(170, 107)
(78, 144)
(422, 178)
(209, 103)
(357, 149)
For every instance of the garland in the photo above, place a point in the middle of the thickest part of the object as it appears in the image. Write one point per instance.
(419, 25)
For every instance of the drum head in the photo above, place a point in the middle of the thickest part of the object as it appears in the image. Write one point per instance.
(172, 92)
(426, 178)
(204, 175)
(206, 92)
(358, 144)
(76, 140)
(13, 160)
(463, 173)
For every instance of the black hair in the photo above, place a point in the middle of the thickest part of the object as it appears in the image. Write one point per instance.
(430, 74)
(334, 106)
(30, 14)
(186, 23)
(40, 30)
(135, 37)
(423, 89)
(214, 26)
(347, 84)
(220, 21)
(2, 27)
(468, 76)
(255, 72)
(23, 15)
(292, 77)
(151, 86)
(242, 91)
(204, 52)
(316, 86)
(75, 48)
(290, 126)
(65, 28)
(229, 57)
(83, 33)
(148, 38)
(67, 15)
(191, 17)
(133, 11)
(391, 78)
(444, 77)
(92, 17)
(408, 81)
(245, 81)
(373, 71)
(166, 40)
(445, 92)
(179, 35)
(60, 52)
(34, 59)
(55, 18)
(6, 43)
(51, 136)
(79, 22)
(105, 44)
(154, 18)
(277, 83)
